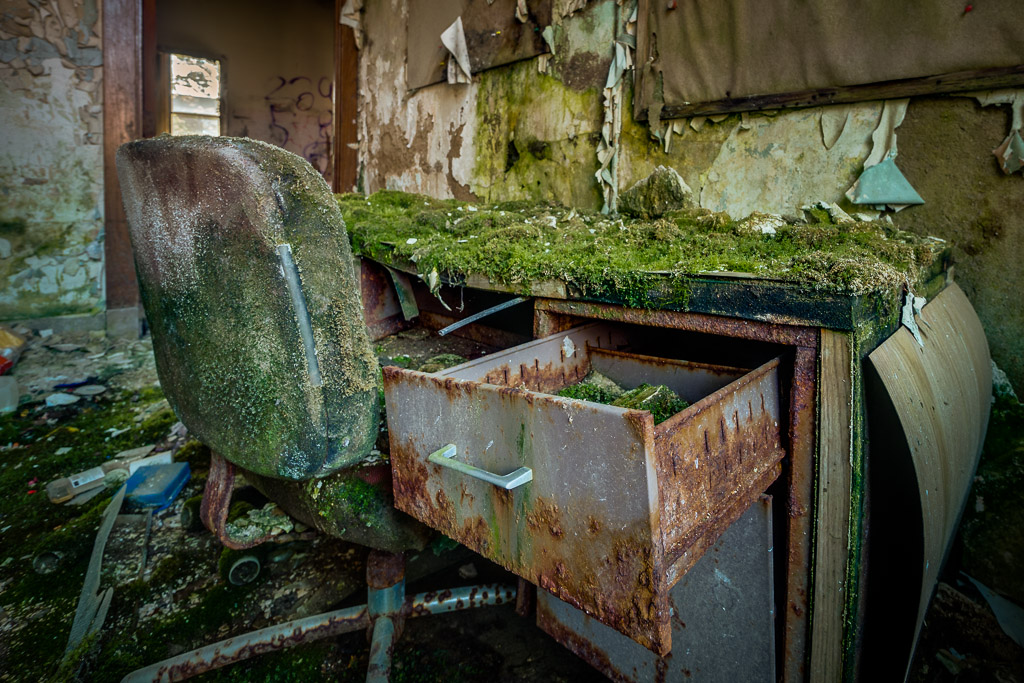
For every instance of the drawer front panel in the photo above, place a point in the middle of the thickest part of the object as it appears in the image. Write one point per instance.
(585, 528)
(714, 460)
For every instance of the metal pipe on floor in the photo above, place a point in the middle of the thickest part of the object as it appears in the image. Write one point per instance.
(248, 645)
(465, 597)
(379, 670)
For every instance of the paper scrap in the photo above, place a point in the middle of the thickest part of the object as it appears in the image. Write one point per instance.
(454, 40)
(907, 318)
(884, 185)
(1011, 153)
(522, 14)
(548, 34)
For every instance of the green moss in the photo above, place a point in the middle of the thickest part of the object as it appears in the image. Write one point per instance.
(359, 498)
(514, 156)
(11, 228)
(33, 456)
(442, 362)
(195, 453)
(588, 392)
(518, 245)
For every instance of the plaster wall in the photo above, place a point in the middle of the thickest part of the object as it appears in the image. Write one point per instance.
(51, 161)
(531, 131)
(277, 67)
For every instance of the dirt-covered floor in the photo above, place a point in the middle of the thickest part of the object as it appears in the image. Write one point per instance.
(170, 594)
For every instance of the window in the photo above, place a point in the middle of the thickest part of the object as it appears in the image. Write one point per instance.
(195, 95)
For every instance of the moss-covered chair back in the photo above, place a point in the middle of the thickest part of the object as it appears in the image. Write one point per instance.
(247, 280)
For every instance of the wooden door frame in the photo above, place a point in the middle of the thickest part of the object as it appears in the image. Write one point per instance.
(346, 104)
(130, 103)
(125, 23)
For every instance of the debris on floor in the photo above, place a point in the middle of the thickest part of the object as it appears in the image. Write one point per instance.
(170, 582)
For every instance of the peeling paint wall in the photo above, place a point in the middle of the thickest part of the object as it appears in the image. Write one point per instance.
(512, 133)
(530, 131)
(51, 158)
(278, 67)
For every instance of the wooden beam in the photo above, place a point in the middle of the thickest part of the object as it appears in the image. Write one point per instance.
(346, 104)
(962, 81)
(150, 79)
(122, 121)
(832, 531)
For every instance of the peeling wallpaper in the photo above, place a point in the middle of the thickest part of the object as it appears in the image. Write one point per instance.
(51, 162)
(531, 130)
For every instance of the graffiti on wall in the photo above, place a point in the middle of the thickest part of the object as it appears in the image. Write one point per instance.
(302, 118)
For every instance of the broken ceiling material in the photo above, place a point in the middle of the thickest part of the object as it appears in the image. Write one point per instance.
(882, 185)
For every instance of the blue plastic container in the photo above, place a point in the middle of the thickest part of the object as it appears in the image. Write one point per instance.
(158, 485)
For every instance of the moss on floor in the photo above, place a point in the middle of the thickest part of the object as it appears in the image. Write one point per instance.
(37, 445)
(520, 243)
(31, 445)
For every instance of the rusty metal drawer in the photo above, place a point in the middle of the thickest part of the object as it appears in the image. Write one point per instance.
(600, 507)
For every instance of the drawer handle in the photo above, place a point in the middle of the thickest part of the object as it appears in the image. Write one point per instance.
(508, 481)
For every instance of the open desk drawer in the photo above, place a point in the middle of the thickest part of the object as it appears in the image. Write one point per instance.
(613, 510)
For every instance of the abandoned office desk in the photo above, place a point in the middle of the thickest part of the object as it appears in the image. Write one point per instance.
(789, 523)
(824, 401)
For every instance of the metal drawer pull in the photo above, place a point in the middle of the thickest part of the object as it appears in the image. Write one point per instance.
(508, 481)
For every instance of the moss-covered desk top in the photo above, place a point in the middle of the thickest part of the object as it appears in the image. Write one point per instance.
(818, 273)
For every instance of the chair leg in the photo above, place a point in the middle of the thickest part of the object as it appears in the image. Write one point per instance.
(217, 502)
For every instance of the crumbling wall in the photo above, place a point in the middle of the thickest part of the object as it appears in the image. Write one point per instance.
(278, 67)
(532, 130)
(51, 158)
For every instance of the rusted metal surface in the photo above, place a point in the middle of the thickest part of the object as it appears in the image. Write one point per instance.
(270, 639)
(217, 502)
(799, 468)
(544, 365)
(723, 624)
(801, 473)
(526, 530)
(381, 643)
(382, 311)
(791, 335)
(526, 598)
(714, 459)
(386, 628)
(383, 569)
(455, 599)
(590, 527)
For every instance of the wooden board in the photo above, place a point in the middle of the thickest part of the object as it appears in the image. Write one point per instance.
(941, 393)
(740, 55)
(122, 121)
(835, 411)
(493, 35)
